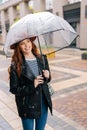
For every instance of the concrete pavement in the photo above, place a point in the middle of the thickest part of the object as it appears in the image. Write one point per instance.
(69, 80)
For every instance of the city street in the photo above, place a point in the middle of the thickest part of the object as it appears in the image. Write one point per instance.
(69, 80)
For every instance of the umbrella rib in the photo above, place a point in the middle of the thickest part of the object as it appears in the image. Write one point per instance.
(57, 50)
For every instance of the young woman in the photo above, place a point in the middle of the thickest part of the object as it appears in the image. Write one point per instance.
(28, 81)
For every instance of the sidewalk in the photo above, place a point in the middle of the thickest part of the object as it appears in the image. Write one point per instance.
(69, 80)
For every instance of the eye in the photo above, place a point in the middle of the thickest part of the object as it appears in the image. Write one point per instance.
(22, 43)
(28, 40)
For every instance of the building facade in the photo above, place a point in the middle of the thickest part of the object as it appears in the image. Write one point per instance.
(74, 11)
(13, 10)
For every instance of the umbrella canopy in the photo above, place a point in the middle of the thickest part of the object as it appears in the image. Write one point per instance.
(40, 24)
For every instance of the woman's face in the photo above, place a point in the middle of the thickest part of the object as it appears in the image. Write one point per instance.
(26, 46)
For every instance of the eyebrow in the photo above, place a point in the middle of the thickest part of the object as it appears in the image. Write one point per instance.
(21, 42)
(24, 42)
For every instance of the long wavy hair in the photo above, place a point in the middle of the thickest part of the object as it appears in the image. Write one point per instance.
(17, 57)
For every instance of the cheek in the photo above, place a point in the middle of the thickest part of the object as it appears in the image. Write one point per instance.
(21, 48)
(30, 44)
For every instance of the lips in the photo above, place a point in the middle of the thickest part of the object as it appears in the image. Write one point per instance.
(27, 49)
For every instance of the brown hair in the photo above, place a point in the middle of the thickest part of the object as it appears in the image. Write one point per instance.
(17, 57)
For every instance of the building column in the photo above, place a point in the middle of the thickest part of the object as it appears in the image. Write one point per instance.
(3, 26)
(58, 10)
(23, 9)
(58, 6)
(11, 15)
(39, 5)
(83, 25)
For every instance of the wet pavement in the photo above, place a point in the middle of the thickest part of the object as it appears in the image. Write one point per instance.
(69, 80)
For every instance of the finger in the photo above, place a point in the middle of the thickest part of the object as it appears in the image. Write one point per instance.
(39, 77)
(46, 71)
(40, 81)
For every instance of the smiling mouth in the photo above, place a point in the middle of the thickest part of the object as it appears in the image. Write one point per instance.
(27, 48)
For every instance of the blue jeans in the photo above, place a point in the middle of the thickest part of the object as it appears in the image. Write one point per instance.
(28, 124)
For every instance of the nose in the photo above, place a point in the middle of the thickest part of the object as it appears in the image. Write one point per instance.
(26, 44)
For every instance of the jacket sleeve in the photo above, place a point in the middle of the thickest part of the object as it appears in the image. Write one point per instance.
(47, 67)
(16, 89)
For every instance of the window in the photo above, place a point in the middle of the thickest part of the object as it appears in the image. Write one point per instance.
(85, 11)
(57, 13)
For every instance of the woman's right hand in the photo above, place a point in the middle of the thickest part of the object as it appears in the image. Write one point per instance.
(39, 80)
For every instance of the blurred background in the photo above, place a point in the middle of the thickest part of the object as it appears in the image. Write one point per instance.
(68, 66)
(74, 11)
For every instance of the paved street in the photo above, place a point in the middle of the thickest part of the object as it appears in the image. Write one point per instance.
(69, 80)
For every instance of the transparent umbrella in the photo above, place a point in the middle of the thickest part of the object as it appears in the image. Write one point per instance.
(47, 27)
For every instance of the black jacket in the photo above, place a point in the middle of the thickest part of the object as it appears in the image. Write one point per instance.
(28, 98)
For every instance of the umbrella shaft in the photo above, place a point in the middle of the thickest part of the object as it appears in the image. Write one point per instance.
(41, 53)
